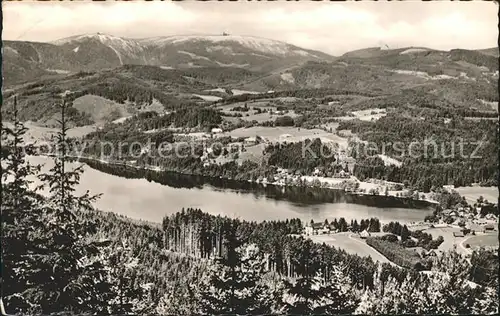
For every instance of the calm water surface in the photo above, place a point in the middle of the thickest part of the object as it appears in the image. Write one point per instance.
(141, 199)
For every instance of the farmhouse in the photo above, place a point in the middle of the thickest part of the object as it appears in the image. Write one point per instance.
(448, 188)
(216, 130)
(324, 230)
(316, 228)
(364, 234)
(343, 174)
(250, 140)
(447, 211)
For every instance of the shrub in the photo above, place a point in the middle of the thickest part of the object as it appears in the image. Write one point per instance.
(390, 238)
(284, 121)
(409, 243)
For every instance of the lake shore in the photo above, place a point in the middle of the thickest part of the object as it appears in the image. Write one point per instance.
(155, 174)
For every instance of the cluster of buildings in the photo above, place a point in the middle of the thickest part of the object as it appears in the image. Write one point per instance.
(470, 216)
(325, 229)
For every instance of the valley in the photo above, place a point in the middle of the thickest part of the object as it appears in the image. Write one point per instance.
(375, 164)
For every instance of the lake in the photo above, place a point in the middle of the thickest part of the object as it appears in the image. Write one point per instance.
(142, 199)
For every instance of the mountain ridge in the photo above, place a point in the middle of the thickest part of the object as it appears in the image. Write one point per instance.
(26, 60)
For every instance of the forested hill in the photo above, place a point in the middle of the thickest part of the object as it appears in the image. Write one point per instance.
(25, 61)
(171, 270)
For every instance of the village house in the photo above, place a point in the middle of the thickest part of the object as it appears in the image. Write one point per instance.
(343, 174)
(250, 140)
(448, 188)
(458, 234)
(316, 229)
(324, 230)
(364, 234)
(216, 130)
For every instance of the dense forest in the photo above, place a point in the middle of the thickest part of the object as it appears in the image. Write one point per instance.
(461, 152)
(298, 93)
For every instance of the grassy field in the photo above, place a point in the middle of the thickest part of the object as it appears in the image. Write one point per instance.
(289, 134)
(251, 153)
(99, 108)
(239, 92)
(210, 98)
(486, 240)
(370, 114)
(471, 194)
(41, 133)
(252, 114)
(350, 244)
(447, 233)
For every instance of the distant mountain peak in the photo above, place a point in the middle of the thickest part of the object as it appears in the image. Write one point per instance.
(102, 37)
(260, 44)
(97, 51)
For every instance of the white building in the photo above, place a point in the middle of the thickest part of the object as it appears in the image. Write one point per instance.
(364, 234)
(216, 130)
(448, 187)
(250, 140)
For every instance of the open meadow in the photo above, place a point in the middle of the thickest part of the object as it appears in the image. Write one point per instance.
(472, 193)
(351, 244)
(288, 134)
(483, 240)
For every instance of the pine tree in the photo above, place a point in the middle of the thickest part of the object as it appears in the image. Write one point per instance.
(337, 297)
(124, 295)
(20, 215)
(301, 292)
(405, 233)
(432, 293)
(181, 298)
(234, 283)
(68, 277)
(320, 294)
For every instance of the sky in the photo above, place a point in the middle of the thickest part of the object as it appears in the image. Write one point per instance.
(333, 28)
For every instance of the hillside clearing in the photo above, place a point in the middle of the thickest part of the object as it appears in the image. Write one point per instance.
(472, 193)
(100, 109)
(288, 134)
(350, 244)
(40, 133)
(209, 98)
